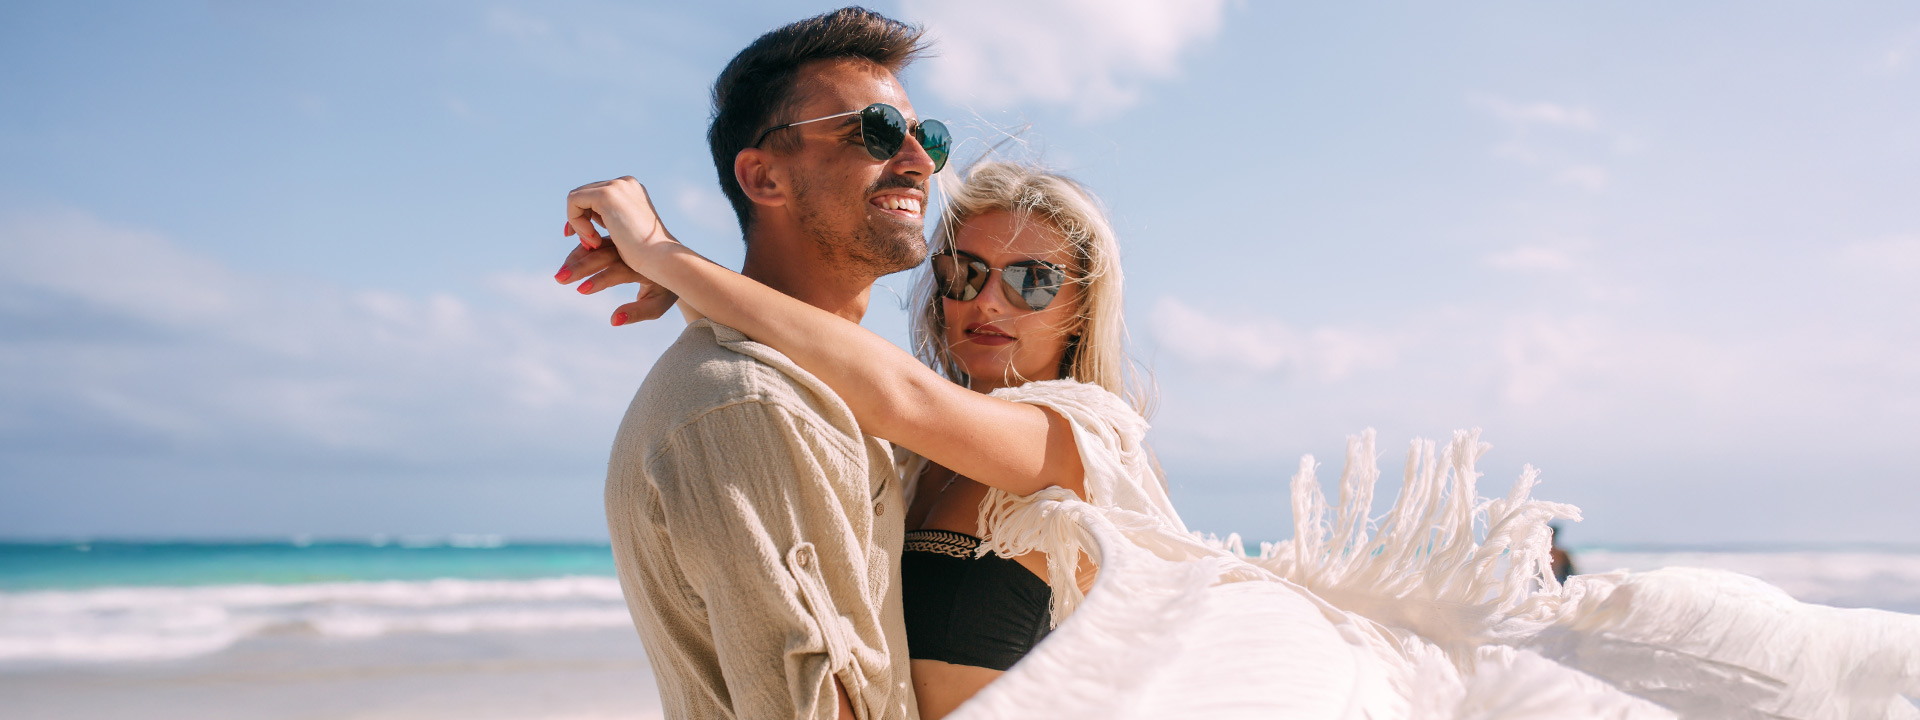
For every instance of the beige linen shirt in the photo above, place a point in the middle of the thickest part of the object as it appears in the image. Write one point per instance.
(757, 534)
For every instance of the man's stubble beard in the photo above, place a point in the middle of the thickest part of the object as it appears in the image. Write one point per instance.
(871, 246)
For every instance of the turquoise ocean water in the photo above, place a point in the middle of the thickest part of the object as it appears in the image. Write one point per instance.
(400, 628)
(100, 564)
(117, 602)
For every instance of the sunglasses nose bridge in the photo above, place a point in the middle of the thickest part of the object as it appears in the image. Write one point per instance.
(912, 158)
(982, 286)
(895, 140)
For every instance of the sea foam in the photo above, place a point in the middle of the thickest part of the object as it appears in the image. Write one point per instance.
(157, 623)
(121, 624)
(1859, 579)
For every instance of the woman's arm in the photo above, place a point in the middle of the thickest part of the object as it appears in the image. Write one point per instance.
(1016, 447)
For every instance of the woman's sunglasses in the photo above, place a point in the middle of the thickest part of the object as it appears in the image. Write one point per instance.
(1032, 284)
(884, 130)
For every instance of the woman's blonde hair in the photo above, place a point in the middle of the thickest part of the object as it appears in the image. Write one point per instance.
(1096, 347)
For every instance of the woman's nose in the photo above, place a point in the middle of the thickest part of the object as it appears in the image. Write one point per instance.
(993, 297)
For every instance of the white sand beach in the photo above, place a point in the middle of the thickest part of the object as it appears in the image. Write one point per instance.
(579, 674)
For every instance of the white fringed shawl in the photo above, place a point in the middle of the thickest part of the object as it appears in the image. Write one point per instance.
(1444, 608)
(1426, 570)
(1120, 475)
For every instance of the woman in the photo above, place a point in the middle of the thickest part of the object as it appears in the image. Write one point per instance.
(1023, 286)
(1034, 468)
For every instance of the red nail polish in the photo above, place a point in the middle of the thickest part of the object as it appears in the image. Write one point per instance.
(563, 274)
(586, 287)
(619, 318)
(569, 228)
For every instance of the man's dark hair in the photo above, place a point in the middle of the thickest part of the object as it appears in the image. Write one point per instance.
(758, 84)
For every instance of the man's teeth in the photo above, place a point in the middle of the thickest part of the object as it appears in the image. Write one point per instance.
(900, 202)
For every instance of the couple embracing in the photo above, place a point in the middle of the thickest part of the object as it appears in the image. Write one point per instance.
(758, 515)
(809, 522)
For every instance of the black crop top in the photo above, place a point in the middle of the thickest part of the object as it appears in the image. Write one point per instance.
(977, 611)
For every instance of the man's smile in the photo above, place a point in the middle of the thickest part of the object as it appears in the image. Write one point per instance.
(903, 203)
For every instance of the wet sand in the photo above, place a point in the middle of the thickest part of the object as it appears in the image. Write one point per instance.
(559, 675)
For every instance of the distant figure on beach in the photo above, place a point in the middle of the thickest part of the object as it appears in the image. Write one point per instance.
(1562, 562)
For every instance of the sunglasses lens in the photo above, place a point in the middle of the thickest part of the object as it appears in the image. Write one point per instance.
(956, 278)
(1033, 285)
(933, 137)
(883, 129)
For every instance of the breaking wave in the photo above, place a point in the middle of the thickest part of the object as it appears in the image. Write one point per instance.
(157, 623)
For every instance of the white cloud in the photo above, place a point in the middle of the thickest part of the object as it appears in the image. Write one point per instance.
(1895, 59)
(1897, 255)
(1551, 357)
(154, 341)
(1542, 113)
(458, 107)
(1531, 258)
(1261, 344)
(1559, 139)
(313, 105)
(1590, 177)
(707, 208)
(1899, 54)
(70, 253)
(569, 48)
(1088, 55)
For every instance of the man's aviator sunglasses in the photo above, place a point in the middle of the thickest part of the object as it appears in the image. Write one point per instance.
(884, 130)
(1032, 284)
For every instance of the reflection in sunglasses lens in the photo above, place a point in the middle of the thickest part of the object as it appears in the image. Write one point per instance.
(1031, 284)
(883, 129)
(933, 136)
(1036, 284)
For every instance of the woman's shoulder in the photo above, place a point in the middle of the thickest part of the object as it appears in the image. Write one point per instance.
(1079, 402)
(1066, 389)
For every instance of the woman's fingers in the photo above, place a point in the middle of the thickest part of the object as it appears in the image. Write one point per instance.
(571, 268)
(654, 301)
(608, 276)
(582, 227)
(621, 205)
(584, 262)
(625, 209)
(584, 206)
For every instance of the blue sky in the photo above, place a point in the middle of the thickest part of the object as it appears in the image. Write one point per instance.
(280, 270)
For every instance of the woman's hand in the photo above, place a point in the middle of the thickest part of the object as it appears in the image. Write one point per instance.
(602, 268)
(625, 209)
(622, 206)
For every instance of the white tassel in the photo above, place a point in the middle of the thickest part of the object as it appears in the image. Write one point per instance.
(1424, 570)
(1046, 521)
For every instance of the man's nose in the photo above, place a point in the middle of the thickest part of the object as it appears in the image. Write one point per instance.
(912, 159)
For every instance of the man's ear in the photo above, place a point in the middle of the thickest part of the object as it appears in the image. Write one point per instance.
(761, 176)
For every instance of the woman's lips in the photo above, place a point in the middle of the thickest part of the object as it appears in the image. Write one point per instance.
(982, 334)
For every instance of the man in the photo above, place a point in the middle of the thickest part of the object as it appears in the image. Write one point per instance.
(756, 529)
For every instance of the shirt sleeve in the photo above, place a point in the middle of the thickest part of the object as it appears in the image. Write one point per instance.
(764, 509)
